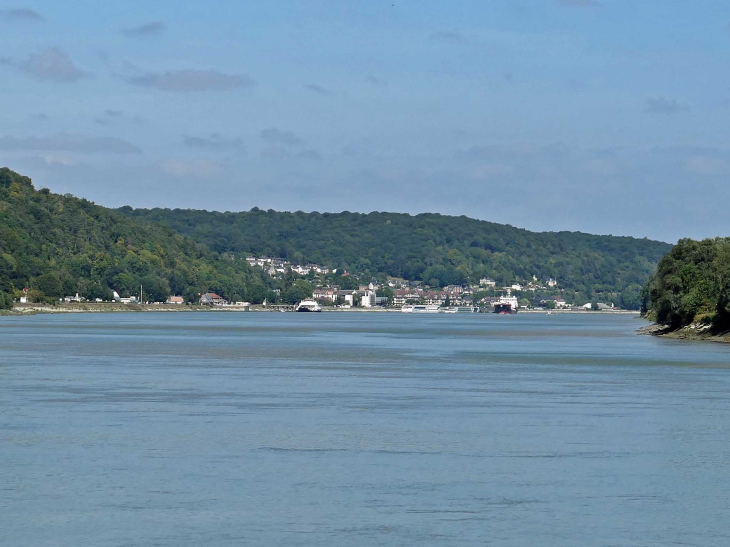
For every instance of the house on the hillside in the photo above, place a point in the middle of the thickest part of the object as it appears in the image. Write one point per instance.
(176, 300)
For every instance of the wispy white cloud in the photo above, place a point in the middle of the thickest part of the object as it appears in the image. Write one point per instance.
(705, 165)
(192, 80)
(580, 3)
(50, 64)
(21, 14)
(67, 142)
(196, 168)
(664, 105)
(281, 137)
(214, 141)
(447, 37)
(149, 29)
(318, 89)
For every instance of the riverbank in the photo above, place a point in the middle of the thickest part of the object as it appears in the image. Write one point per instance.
(696, 332)
(108, 307)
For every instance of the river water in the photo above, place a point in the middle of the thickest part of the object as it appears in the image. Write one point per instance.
(360, 429)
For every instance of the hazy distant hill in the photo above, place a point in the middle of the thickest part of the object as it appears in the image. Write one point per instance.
(430, 247)
(59, 245)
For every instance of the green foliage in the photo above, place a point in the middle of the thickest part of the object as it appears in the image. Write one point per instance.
(49, 284)
(439, 250)
(386, 292)
(60, 245)
(692, 283)
(298, 291)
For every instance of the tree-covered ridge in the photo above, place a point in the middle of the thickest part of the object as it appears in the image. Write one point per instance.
(60, 245)
(437, 249)
(692, 283)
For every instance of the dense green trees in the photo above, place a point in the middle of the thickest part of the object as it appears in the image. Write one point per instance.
(61, 245)
(439, 250)
(296, 292)
(692, 283)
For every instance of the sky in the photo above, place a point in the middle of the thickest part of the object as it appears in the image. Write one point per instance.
(601, 116)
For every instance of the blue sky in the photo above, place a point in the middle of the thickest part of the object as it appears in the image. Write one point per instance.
(604, 116)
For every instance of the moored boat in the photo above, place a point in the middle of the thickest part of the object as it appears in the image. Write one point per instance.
(308, 306)
(504, 308)
(429, 308)
(506, 305)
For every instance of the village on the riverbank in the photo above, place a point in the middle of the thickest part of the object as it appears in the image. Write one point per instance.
(350, 294)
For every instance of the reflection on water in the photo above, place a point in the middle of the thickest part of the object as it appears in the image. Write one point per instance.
(360, 429)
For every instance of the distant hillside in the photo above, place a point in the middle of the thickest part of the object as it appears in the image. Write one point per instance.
(60, 245)
(430, 247)
(692, 284)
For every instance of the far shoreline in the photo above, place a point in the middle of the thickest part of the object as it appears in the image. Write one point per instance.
(20, 310)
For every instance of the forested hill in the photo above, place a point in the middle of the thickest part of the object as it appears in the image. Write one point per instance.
(429, 247)
(60, 245)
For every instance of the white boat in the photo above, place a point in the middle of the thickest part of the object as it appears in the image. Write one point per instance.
(461, 309)
(429, 308)
(406, 309)
(308, 306)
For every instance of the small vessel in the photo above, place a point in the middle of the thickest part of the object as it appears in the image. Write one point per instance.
(406, 309)
(308, 306)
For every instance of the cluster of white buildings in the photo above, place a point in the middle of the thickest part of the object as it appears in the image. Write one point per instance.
(275, 266)
(365, 296)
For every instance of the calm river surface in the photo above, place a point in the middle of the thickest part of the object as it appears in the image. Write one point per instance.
(359, 429)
